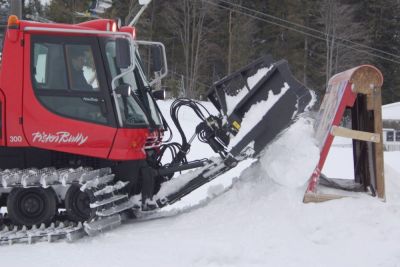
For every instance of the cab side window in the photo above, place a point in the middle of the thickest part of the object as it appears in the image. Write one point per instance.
(49, 72)
(65, 80)
(81, 68)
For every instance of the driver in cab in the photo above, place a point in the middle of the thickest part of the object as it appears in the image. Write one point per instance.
(80, 61)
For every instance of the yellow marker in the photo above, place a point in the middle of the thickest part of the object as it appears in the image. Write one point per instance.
(236, 125)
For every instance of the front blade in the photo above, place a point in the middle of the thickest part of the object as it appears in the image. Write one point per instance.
(259, 102)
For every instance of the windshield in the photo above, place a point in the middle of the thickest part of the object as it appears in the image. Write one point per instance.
(131, 111)
(146, 92)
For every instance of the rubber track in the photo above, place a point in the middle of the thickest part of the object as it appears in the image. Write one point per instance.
(93, 182)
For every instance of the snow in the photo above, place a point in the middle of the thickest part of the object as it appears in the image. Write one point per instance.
(253, 80)
(232, 101)
(259, 221)
(275, 158)
(391, 111)
(339, 163)
(175, 184)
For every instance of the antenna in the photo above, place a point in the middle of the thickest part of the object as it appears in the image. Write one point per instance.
(144, 4)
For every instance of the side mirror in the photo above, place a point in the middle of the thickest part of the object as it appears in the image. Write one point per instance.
(156, 67)
(123, 53)
(124, 90)
(158, 94)
(156, 55)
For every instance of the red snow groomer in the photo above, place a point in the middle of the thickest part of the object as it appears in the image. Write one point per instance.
(81, 135)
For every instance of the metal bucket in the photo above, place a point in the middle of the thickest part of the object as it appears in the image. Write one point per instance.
(258, 102)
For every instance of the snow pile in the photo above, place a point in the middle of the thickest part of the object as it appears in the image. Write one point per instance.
(296, 147)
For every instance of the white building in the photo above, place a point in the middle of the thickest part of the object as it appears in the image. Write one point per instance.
(391, 126)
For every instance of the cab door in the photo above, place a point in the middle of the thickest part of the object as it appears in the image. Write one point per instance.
(66, 101)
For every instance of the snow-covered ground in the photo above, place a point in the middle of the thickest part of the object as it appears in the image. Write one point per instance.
(260, 221)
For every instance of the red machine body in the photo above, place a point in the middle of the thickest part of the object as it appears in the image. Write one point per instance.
(26, 122)
(81, 130)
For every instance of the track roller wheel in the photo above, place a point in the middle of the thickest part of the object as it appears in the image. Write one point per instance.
(31, 206)
(77, 204)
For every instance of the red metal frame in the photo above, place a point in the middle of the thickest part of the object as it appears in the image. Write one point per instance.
(11, 83)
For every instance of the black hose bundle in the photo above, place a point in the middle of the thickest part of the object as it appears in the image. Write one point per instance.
(195, 106)
(179, 151)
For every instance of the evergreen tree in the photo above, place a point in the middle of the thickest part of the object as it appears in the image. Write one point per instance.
(208, 39)
(383, 23)
(64, 11)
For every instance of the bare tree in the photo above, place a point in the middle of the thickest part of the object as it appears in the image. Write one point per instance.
(187, 18)
(341, 35)
(240, 42)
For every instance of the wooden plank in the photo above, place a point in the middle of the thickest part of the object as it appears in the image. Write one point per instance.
(310, 197)
(378, 151)
(353, 134)
(371, 102)
(365, 79)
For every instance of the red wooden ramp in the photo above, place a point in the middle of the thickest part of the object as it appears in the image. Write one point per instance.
(357, 90)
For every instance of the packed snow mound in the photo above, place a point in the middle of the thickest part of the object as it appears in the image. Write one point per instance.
(295, 147)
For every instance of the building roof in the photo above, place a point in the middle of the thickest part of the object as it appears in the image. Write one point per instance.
(391, 111)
